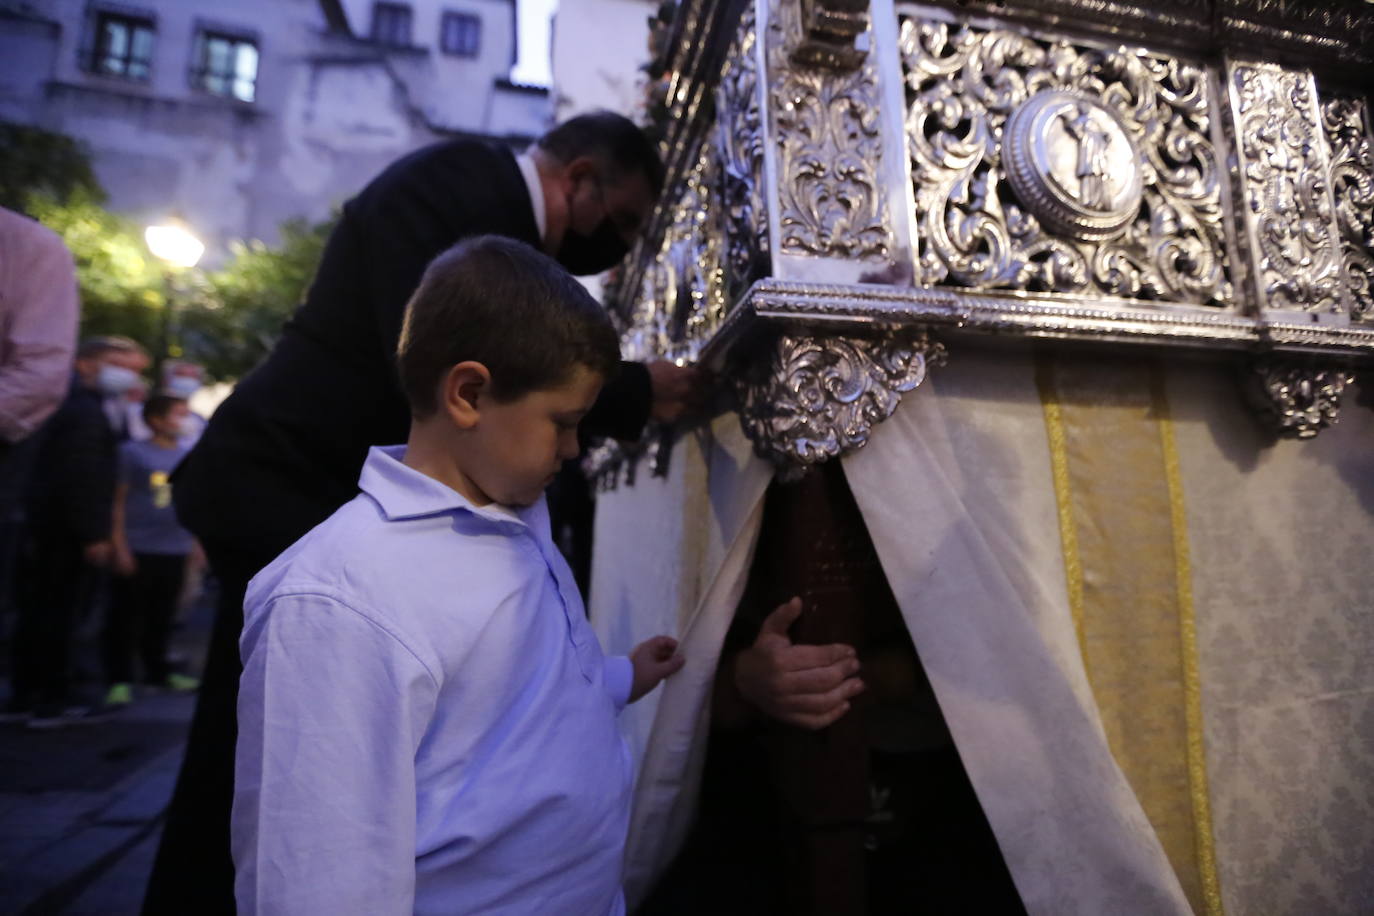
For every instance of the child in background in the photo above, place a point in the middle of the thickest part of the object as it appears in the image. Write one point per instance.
(426, 722)
(150, 550)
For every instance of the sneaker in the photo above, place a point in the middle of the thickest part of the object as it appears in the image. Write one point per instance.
(181, 683)
(119, 695)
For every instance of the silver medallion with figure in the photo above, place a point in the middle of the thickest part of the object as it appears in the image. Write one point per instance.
(1072, 163)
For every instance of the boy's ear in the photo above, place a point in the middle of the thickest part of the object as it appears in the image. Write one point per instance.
(465, 391)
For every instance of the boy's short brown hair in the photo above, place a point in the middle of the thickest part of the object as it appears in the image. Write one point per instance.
(516, 311)
(160, 405)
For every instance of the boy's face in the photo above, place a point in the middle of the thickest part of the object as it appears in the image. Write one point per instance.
(170, 423)
(518, 446)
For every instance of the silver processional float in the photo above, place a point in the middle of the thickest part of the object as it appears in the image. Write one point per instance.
(862, 195)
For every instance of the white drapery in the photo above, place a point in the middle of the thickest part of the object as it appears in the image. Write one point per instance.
(957, 489)
(672, 556)
(957, 493)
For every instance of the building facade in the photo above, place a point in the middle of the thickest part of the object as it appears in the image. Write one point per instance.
(239, 116)
(612, 77)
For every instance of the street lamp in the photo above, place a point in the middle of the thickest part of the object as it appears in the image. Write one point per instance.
(173, 244)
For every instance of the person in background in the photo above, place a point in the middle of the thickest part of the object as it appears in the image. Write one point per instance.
(68, 536)
(126, 413)
(38, 314)
(184, 379)
(150, 554)
(180, 379)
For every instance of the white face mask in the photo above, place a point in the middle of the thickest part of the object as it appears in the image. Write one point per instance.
(115, 380)
(183, 386)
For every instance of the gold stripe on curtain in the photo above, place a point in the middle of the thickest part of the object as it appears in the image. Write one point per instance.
(1123, 527)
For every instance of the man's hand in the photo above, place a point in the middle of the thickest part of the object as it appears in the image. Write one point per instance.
(124, 563)
(676, 390)
(653, 660)
(806, 686)
(98, 553)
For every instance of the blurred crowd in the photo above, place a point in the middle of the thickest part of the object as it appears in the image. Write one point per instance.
(90, 433)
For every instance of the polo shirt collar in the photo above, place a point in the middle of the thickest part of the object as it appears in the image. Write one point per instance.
(404, 493)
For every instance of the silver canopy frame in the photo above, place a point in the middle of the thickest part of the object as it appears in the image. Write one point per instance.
(852, 182)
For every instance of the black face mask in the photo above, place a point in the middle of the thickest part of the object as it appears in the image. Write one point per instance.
(591, 254)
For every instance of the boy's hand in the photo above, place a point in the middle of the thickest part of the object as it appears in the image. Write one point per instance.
(653, 660)
(806, 686)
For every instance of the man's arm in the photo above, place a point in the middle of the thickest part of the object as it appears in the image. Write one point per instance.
(40, 333)
(661, 390)
(331, 711)
(622, 408)
(123, 556)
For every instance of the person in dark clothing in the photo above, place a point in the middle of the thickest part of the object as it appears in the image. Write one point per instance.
(285, 450)
(68, 536)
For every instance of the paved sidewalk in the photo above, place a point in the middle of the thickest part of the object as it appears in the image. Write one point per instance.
(81, 808)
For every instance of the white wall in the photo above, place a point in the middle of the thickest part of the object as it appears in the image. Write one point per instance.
(598, 48)
(454, 92)
(28, 51)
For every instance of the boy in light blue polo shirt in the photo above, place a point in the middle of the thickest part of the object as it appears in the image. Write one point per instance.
(426, 721)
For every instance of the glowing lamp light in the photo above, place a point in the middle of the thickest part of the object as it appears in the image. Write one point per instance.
(173, 243)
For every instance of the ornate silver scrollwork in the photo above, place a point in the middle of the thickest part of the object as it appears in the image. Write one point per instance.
(682, 296)
(739, 133)
(1287, 193)
(1061, 167)
(1345, 119)
(829, 148)
(830, 30)
(1299, 399)
(819, 397)
(680, 304)
(1332, 29)
(601, 464)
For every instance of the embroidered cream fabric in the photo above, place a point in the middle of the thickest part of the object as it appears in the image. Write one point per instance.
(1123, 525)
(1275, 706)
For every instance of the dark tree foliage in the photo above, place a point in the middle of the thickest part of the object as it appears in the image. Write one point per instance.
(33, 160)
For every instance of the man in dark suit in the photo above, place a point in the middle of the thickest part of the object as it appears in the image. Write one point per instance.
(285, 450)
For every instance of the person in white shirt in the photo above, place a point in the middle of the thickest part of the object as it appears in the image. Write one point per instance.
(426, 721)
